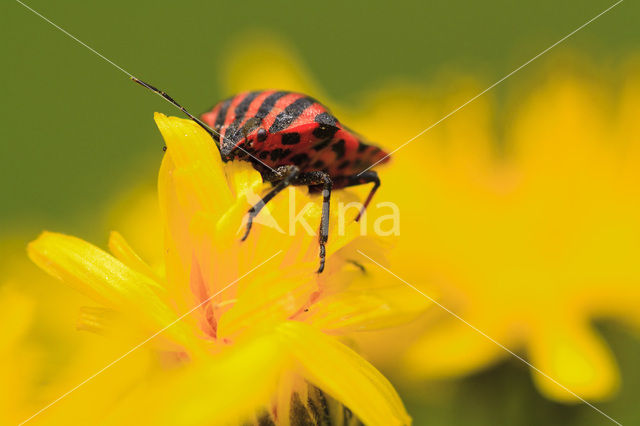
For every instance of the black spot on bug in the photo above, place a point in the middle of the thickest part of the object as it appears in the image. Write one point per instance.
(263, 155)
(324, 131)
(344, 165)
(362, 147)
(286, 152)
(318, 164)
(338, 148)
(276, 154)
(326, 118)
(262, 135)
(290, 138)
(322, 145)
(299, 159)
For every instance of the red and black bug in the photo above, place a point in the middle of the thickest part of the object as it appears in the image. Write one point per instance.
(291, 139)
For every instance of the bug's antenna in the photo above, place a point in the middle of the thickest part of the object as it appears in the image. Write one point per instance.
(215, 135)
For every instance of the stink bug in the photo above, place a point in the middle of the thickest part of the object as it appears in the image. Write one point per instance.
(291, 139)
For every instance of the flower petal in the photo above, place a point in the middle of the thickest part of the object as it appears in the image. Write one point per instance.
(177, 256)
(103, 278)
(576, 357)
(124, 253)
(17, 361)
(443, 352)
(268, 298)
(16, 315)
(367, 309)
(198, 166)
(230, 388)
(344, 375)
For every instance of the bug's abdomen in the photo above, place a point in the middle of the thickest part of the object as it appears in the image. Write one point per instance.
(283, 128)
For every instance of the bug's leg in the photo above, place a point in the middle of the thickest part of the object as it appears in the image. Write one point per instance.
(284, 176)
(324, 221)
(320, 178)
(366, 177)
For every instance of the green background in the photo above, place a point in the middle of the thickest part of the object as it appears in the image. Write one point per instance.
(75, 131)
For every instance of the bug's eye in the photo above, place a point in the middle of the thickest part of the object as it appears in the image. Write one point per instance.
(262, 135)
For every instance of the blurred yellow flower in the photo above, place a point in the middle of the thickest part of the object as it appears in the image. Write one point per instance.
(16, 360)
(532, 246)
(529, 242)
(254, 348)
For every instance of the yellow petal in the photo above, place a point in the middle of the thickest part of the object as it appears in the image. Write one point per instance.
(191, 185)
(17, 362)
(124, 253)
(101, 320)
(577, 358)
(268, 298)
(343, 374)
(243, 179)
(103, 278)
(177, 255)
(227, 389)
(16, 314)
(95, 399)
(198, 166)
(367, 309)
(443, 352)
(139, 205)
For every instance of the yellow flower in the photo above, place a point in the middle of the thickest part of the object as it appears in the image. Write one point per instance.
(35, 314)
(530, 242)
(244, 329)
